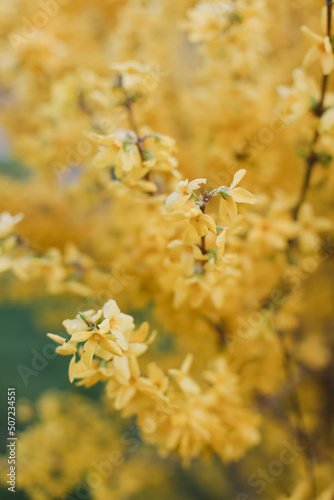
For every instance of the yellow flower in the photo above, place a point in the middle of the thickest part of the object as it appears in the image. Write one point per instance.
(108, 333)
(127, 378)
(8, 222)
(132, 72)
(158, 151)
(232, 195)
(327, 122)
(309, 227)
(123, 392)
(193, 289)
(187, 254)
(93, 375)
(273, 230)
(138, 344)
(118, 150)
(295, 100)
(93, 341)
(205, 21)
(183, 193)
(322, 47)
(182, 378)
(117, 323)
(153, 385)
(221, 242)
(200, 225)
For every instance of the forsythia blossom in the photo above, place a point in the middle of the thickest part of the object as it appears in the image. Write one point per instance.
(191, 420)
(8, 223)
(322, 47)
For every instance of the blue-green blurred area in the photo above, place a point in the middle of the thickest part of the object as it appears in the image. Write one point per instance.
(27, 361)
(14, 169)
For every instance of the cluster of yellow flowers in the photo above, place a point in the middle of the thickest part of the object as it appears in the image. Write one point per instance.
(133, 157)
(224, 23)
(173, 410)
(69, 271)
(198, 270)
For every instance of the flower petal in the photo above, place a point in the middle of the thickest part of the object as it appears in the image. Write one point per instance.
(81, 336)
(241, 195)
(104, 326)
(175, 201)
(75, 325)
(120, 339)
(88, 352)
(71, 369)
(110, 309)
(124, 395)
(134, 367)
(308, 242)
(221, 239)
(311, 35)
(186, 365)
(56, 338)
(311, 56)
(110, 346)
(238, 176)
(327, 63)
(188, 385)
(125, 322)
(136, 349)
(141, 333)
(122, 368)
(195, 184)
(232, 210)
(209, 222)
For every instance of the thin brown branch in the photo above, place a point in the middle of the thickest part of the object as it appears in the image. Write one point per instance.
(312, 158)
(310, 161)
(206, 199)
(128, 104)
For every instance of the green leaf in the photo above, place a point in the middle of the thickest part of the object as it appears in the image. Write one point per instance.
(213, 252)
(127, 146)
(136, 96)
(224, 192)
(324, 158)
(85, 319)
(147, 154)
(314, 104)
(301, 154)
(236, 17)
